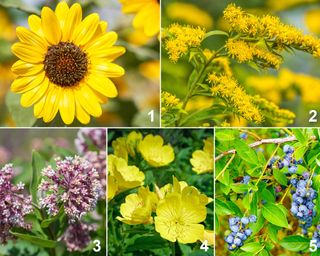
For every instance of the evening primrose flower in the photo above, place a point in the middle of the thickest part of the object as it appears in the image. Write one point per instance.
(147, 15)
(138, 207)
(178, 217)
(154, 152)
(66, 64)
(202, 160)
(125, 176)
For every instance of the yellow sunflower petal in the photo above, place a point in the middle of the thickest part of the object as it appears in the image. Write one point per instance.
(73, 20)
(38, 107)
(108, 54)
(67, 106)
(27, 52)
(61, 12)
(86, 29)
(34, 95)
(100, 31)
(108, 69)
(102, 42)
(103, 85)
(24, 84)
(50, 26)
(27, 36)
(81, 114)
(35, 24)
(88, 101)
(23, 68)
(52, 103)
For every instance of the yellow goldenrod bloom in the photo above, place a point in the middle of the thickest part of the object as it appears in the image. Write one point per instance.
(180, 39)
(244, 52)
(178, 217)
(154, 152)
(202, 160)
(66, 64)
(228, 89)
(189, 14)
(271, 29)
(126, 177)
(138, 207)
(147, 15)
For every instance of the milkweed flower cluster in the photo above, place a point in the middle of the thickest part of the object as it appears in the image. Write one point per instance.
(86, 138)
(202, 160)
(179, 209)
(240, 231)
(77, 236)
(244, 51)
(277, 35)
(179, 39)
(73, 183)
(14, 205)
(229, 90)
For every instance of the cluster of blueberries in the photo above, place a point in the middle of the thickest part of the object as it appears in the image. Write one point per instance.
(316, 236)
(239, 231)
(303, 207)
(287, 161)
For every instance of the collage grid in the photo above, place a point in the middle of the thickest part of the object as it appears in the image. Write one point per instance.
(159, 128)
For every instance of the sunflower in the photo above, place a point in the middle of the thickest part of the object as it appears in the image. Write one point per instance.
(65, 64)
(148, 14)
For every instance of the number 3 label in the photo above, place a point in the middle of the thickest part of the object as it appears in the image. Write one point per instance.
(97, 243)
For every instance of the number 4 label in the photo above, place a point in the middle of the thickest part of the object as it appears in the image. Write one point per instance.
(204, 246)
(313, 246)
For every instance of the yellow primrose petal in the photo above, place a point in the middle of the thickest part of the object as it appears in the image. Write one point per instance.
(120, 148)
(202, 162)
(112, 187)
(154, 152)
(208, 236)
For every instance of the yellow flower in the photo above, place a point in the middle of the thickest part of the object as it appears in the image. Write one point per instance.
(137, 208)
(181, 38)
(190, 14)
(150, 69)
(125, 177)
(178, 217)
(65, 64)
(154, 152)
(208, 236)
(120, 148)
(148, 14)
(228, 89)
(112, 187)
(202, 160)
(312, 18)
(7, 28)
(132, 141)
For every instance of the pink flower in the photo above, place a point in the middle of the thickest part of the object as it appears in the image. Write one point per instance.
(74, 183)
(77, 236)
(14, 205)
(90, 137)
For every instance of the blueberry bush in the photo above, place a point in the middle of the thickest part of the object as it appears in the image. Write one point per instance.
(267, 184)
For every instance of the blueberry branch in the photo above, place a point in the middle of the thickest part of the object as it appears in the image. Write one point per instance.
(261, 142)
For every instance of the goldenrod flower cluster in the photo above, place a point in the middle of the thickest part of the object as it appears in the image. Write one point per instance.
(241, 103)
(221, 62)
(272, 112)
(287, 85)
(202, 160)
(168, 101)
(271, 29)
(179, 209)
(179, 39)
(244, 51)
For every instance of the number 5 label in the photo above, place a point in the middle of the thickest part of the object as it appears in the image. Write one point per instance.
(313, 246)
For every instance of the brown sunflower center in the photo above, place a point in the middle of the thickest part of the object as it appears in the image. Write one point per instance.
(65, 64)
